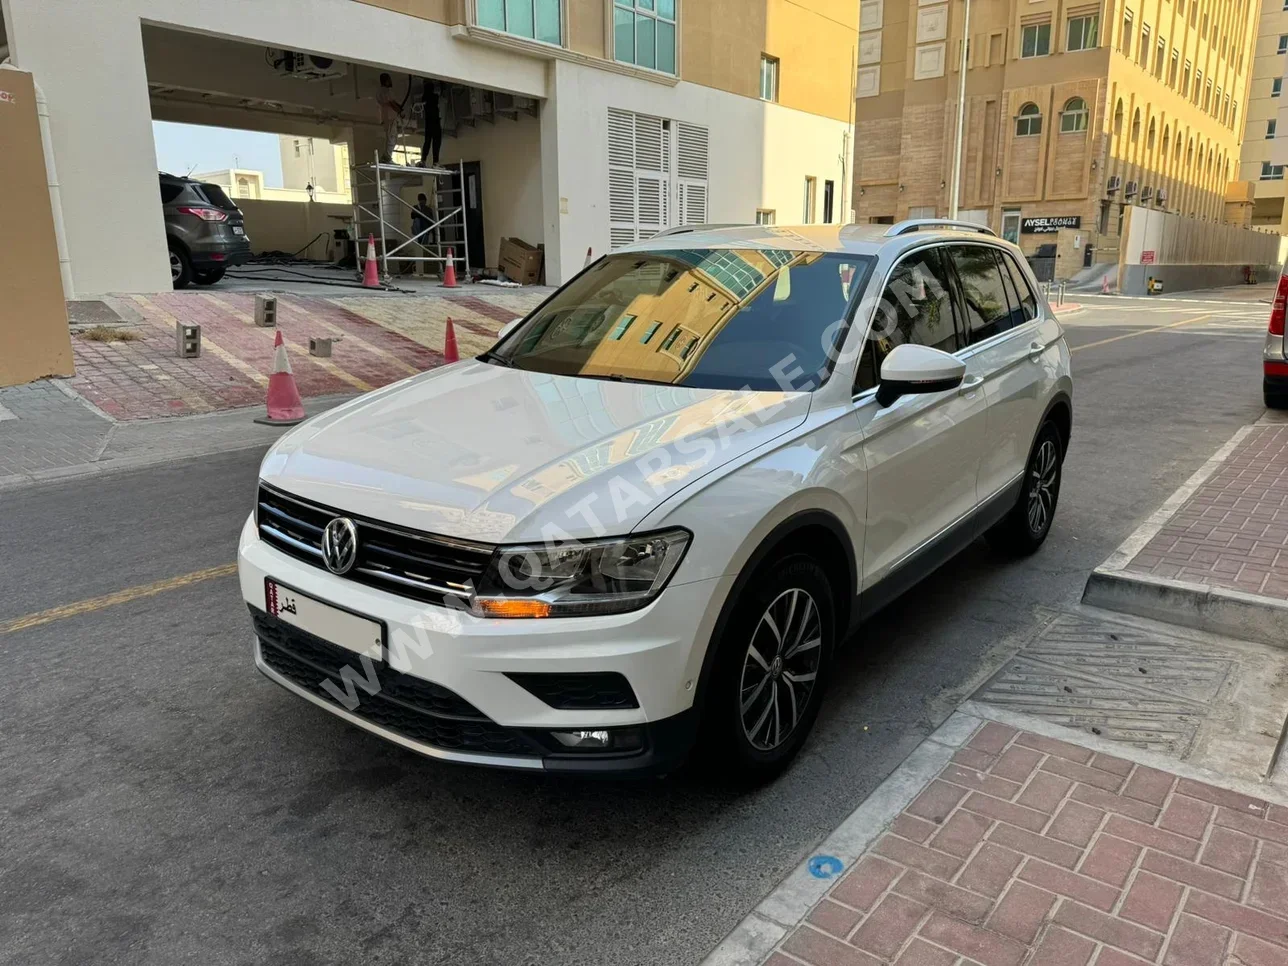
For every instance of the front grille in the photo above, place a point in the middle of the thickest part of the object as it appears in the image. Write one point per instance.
(578, 691)
(417, 565)
(413, 707)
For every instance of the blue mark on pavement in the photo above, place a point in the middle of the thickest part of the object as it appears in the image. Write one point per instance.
(825, 866)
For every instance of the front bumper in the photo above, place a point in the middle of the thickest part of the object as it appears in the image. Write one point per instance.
(497, 722)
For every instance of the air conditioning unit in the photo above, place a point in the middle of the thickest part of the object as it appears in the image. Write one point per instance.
(1130, 191)
(1160, 197)
(1146, 193)
(290, 63)
(1115, 182)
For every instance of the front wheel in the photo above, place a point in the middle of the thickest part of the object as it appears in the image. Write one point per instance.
(771, 670)
(180, 267)
(1025, 528)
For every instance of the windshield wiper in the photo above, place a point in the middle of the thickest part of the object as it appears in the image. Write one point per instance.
(496, 360)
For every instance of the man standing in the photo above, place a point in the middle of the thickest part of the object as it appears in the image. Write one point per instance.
(390, 116)
(433, 124)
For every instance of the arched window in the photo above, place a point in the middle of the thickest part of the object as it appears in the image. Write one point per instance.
(1189, 152)
(1167, 140)
(1118, 117)
(1135, 125)
(1029, 121)
(1149, 138)
(1073, 118)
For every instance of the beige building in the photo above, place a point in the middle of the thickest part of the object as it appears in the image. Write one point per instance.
(1074, 111)
(314, 161)
(1262, 168)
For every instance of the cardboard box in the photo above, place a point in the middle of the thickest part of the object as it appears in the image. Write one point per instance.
(520, 261)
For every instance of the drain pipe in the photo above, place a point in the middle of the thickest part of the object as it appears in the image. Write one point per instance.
(55, 188)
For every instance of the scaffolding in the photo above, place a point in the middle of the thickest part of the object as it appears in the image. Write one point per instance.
(377, 195)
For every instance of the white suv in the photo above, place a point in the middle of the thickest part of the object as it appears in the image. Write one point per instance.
(647, 517)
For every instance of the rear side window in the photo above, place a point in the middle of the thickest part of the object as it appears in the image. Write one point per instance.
(170, 191)
(1028, 301)
(215, 195)
(988, 310)
(917, 308)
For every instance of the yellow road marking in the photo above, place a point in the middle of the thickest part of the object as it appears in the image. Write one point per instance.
(1132, 335)
(118, 597)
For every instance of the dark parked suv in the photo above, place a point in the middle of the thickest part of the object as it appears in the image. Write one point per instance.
(204, 229)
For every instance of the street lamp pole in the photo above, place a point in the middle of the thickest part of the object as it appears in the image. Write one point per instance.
(955, 203)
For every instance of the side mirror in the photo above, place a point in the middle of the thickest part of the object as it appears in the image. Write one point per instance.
(913, 369)
(508, 328)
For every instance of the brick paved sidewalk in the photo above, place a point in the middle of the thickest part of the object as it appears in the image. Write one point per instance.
(383, 340)
(1028, 851)
(1233, 530)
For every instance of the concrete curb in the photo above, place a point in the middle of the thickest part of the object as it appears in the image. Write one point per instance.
(753, 939)
(765, 926)
(1200, 606)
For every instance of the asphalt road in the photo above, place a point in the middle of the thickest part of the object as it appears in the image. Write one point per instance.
(163, 803)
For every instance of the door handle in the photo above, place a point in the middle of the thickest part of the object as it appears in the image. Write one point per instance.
(1035, 351)
(969, 385)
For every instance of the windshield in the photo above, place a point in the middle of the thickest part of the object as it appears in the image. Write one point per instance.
(706, 318)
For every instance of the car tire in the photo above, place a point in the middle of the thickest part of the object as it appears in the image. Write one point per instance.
(768, 682)
(1026, 526)
(1275, 400)
(209, 276)
(180, 267)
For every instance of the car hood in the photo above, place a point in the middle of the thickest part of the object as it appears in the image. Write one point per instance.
(481, 452)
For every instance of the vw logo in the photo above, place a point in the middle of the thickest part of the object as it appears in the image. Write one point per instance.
(340, 545)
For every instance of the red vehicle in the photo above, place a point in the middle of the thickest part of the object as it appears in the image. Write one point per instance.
(1274, 360)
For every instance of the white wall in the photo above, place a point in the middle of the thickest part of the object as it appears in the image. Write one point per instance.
(797, 144)
(88, 57)
(509, 156)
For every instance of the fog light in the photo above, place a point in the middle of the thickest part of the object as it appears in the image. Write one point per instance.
(601, 739)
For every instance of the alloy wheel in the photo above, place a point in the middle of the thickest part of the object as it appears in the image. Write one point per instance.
(780, 669)
(1044, 476)
(176, 267)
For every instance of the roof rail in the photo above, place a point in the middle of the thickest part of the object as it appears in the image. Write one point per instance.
(920, 224)
(689, 229)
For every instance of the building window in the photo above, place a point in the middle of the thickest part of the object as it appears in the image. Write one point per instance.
(1185, 83)
(297, 147)
(1143, 57)
(1135, 125)
(1207, 96)
(1149, 138)
(1124, 42)
(765, 216)
(1172, 71)
(1271, 172)
(1029, 121)
(534, 19)
(811, 185)
(829, 193)
(1276, 87)
(1073, 119)
(1035, 40)
(768, 78)
(1283, 43)
(1118, 117)
(1198, 85)
(1270, 128)
(644, 33)
(1160, 55)
(1083, 32)
(619, 330)
(650, 332)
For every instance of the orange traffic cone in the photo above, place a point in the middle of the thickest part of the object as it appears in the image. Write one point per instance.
(450, 352)
(371, 271)
(283, 404)
(589, 258)
(449, 273)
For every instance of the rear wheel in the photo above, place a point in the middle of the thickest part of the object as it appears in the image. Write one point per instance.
(180, 267)
(208, 277)
(771, 670)
(1025, 528)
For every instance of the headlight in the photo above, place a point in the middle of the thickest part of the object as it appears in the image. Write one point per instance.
(592, 577)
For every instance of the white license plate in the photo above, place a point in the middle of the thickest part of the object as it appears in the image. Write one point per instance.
(238, 231)
(342, 628)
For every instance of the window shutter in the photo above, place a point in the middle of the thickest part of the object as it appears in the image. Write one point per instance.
(643, 154)
(692, 168)
(621, 178)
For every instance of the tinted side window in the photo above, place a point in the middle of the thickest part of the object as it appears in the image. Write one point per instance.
(988, 310)
(1028, 301)
(916, 307)
(170, 191)
(1012, 298)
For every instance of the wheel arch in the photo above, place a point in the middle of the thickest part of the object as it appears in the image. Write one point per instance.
(1060, 411)
(815, 532)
